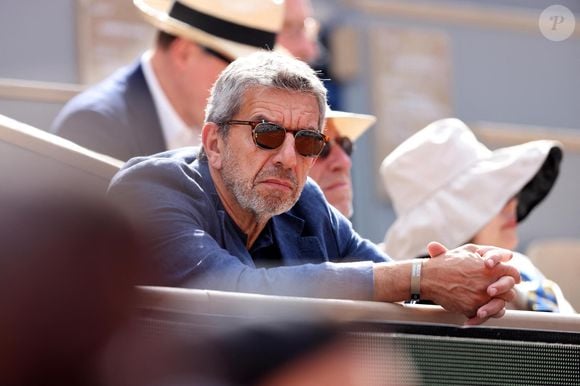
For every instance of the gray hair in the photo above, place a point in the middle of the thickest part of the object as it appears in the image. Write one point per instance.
(262, 69)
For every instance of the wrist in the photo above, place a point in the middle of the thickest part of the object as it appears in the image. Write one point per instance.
(415, 287)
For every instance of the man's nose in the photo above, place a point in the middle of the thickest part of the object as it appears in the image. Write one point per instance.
(286, 154)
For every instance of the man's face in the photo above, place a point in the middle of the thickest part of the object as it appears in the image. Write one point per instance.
(201, 71)
(299, 33)
(268, 182)
(333, 174)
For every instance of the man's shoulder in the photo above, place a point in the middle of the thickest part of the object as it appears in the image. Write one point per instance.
(110, 94)
(311, 205)
(168, 165)
(312, 190)
(116, 117)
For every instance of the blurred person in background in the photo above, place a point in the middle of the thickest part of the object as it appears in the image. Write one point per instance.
(299, 34)
(332, 168)
(443, 171)
(158, 102)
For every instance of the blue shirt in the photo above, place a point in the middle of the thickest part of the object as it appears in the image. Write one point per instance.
(314, 248)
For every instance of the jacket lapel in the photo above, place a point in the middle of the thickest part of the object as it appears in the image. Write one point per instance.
(300, 249)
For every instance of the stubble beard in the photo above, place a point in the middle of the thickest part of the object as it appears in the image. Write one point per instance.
(247, 192)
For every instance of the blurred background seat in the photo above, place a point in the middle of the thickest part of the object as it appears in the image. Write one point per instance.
(559, 260)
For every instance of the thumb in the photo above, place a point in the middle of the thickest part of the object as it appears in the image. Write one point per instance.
(435, 249)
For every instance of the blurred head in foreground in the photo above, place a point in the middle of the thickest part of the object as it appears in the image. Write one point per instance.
(68, 269)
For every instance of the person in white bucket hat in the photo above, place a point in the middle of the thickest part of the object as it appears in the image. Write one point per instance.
(332, 169)
(158, 102)
(446, 186)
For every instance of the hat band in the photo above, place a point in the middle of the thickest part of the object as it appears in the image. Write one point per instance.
(221, 28)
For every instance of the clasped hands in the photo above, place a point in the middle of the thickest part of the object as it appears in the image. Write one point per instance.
(470, 279)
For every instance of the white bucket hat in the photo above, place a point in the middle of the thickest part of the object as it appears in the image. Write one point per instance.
(350, 125)
(445, 185)
(232, 28)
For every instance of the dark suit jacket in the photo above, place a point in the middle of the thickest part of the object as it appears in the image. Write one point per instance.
(116, 117)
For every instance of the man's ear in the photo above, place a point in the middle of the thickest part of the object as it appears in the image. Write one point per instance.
(182, 51)
(212, 144)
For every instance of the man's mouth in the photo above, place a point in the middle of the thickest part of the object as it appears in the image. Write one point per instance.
(280, 183)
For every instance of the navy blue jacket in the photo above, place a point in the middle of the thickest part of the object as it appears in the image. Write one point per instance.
(311, 250)
(116, 117)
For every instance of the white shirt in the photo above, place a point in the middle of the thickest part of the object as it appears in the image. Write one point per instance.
(175, 130)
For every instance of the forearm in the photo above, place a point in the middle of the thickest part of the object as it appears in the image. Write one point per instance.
(325, 280)
(392, 281)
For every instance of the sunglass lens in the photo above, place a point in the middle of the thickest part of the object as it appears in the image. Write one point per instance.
(309, 143)
(346, 144)
(269, 136)
(325, 150)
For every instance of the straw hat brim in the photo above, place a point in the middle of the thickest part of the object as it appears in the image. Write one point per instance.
(156, 13)
(457, 211)
(351, 125)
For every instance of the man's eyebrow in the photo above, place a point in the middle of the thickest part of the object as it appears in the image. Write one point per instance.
(261, 117)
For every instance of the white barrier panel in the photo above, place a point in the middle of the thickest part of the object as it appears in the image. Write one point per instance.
(32, 158)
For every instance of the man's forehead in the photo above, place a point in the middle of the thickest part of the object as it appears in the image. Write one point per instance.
(278, 101)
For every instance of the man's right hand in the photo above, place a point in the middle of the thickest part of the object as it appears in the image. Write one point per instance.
(470, 279)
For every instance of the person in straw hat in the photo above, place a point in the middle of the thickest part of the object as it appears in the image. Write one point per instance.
(430, 179)
(332, 169)
(158, 102)
(299, 33)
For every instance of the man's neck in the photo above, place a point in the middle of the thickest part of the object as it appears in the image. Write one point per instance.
(164, 73)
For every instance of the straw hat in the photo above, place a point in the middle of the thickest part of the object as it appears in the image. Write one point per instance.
(445, 185)
(350, 125)
(232, 28)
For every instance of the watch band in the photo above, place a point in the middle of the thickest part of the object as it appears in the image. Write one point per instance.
(416, 280)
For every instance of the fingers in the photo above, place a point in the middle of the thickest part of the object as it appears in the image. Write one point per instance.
(476, 320)
(509, 270)
(494, 308)
(502, 288)
(435, 249)
(493, 256)
(510, 296)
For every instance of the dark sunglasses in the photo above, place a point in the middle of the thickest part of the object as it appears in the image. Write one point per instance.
(269, 136)
(344, 142)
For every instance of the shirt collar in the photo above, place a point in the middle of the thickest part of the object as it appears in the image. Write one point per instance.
(175, 131)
